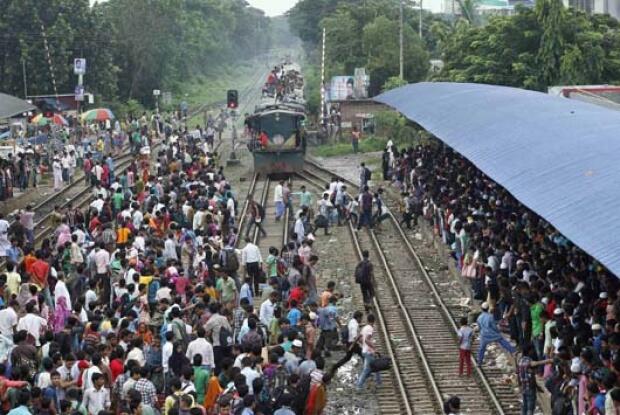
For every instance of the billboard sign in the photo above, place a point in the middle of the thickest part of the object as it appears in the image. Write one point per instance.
(341, 88)
(79, 66)
(79, 93)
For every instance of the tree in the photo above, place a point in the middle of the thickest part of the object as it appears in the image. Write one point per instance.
(535, 49)
(393, 82)
(381, 47)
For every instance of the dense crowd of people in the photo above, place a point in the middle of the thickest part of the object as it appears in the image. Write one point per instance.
(557, 304)
(142, 303)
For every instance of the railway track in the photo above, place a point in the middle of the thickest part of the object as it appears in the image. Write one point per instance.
(418, 321)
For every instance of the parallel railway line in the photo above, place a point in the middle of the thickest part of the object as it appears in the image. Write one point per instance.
(418, 323)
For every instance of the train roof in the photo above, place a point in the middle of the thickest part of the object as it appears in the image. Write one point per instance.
(276, 109)
(297, 107)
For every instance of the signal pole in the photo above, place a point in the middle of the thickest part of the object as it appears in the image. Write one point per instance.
(401, 67)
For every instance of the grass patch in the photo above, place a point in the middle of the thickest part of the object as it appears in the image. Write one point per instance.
(367, 145)
(211, 88)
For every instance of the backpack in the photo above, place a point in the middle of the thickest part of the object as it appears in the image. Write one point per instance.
(261, 210)
(108, 236)
(230, 262)
(177, 401)
(367, 174)
(366, 201)
(182, 331)
(362, 273)
(332, 197)
(344, 334)
(226, 338)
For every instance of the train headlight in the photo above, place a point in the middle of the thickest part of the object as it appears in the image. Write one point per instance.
(278, 139)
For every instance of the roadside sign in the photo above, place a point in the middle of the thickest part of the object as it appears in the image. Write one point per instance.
(167, 98)
(79, 66)
(156, 92)
(79, 92)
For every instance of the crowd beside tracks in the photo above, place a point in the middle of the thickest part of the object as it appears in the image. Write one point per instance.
(557, 305)
(142, 303)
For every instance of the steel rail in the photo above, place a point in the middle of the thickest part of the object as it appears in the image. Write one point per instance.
(412, 252)
(263, 202)
(405, 312)
(395, 364)
(482, 377)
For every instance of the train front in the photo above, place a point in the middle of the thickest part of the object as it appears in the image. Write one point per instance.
(278, 142)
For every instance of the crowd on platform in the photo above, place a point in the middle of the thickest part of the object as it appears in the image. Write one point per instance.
(141, 303)
(557, 304)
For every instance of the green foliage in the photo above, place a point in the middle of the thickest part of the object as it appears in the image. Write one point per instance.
(392, 125)
(72, 29)
(366, 145)
(131, 46)
(534, 49)
(366, 34)
(393, 82)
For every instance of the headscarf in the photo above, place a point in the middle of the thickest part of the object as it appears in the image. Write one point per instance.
(178, 360)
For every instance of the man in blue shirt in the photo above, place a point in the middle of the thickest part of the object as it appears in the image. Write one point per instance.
(489, 333)
(23, 399)
(328, 323)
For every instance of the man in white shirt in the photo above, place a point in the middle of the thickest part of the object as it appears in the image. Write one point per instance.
(102, 263)
(369, 352)
(87, 376)
(32, 323)
(249, 373)
(202, 347)
(267, 309)
(166, 351)
(8, 319)
(299, 227)
(97, 398)
(97, 204)
(353, 345)
(199, 218)
(98, 172)
(137, 218)
(170, 248)
(251, 259)
(278, 200)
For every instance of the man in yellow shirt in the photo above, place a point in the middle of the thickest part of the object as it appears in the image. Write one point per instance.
(122, 235)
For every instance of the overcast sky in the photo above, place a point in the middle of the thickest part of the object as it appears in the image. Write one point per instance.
(273, 7)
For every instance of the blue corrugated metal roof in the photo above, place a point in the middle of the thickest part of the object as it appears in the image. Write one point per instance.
(559, 157)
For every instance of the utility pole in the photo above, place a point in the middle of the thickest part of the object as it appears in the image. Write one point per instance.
(323, 121)
(25, 79)
(420, 22)
(401, 67)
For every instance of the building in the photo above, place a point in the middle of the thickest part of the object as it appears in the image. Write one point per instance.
(611, 7)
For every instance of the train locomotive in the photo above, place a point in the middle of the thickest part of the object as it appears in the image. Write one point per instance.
(276, 128)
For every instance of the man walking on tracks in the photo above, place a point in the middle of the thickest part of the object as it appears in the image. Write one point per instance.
(252, 261)
(350, 337)
(278, 199)
(489, 333)
(256, 214)
(364, 276)
(369, 351)
(365, 203)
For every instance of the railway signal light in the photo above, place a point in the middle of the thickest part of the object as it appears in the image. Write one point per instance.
(232, 98)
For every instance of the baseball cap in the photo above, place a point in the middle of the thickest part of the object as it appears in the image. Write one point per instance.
(297, 343)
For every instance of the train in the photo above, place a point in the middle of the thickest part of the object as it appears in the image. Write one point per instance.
(276, 128)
